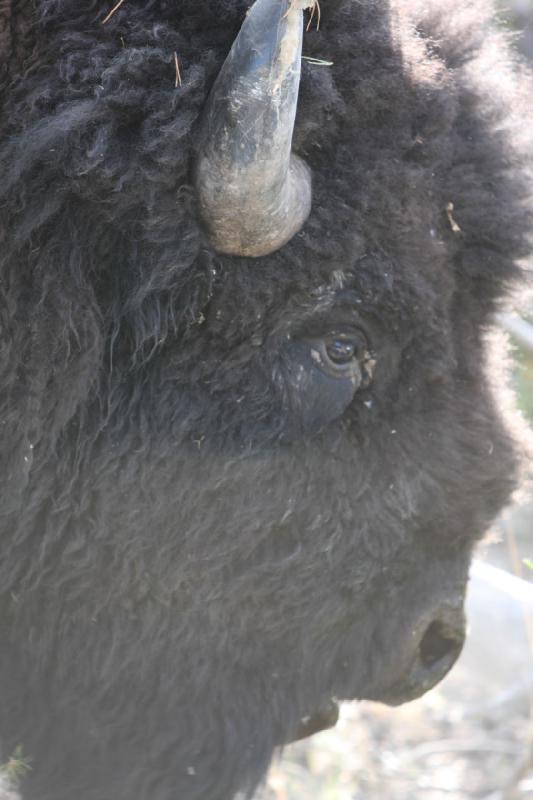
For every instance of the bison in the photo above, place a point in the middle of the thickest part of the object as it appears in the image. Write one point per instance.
(248, 434)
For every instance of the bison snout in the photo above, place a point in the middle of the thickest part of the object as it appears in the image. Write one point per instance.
(436, 644)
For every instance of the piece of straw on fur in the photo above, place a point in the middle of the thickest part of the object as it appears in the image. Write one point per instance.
(115, 8)
(178, 73)
(316, 7)
(453, 224)
(319, 62)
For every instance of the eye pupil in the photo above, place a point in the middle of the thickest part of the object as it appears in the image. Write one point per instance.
(341, 351)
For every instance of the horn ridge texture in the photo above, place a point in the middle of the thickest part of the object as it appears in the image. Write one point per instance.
(254, 193)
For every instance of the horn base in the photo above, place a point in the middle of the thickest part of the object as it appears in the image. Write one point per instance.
(232, 218)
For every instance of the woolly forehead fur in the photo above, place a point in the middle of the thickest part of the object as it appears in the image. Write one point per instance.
(104, 121)
(153, 607)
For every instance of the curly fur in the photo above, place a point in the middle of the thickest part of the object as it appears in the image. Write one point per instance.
(181, 582)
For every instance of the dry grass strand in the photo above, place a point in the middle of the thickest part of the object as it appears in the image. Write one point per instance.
(177, 66)
(113, 10)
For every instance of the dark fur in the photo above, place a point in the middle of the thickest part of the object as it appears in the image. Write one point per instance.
(180, 580)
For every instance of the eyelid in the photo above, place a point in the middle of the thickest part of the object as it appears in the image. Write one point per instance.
(354, 333)
(321, 329)
(346, 334)
(341, 317)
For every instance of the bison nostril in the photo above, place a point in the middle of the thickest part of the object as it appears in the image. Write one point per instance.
(440, 641)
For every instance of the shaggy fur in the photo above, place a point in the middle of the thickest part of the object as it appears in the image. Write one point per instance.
(188, 566)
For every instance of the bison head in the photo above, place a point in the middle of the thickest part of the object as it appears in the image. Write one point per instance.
(248, 438)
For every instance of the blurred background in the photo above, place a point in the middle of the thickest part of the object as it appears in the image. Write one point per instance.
(472, 737)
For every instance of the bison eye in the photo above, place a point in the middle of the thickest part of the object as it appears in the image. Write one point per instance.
(341, 349)
(342, 354)
(322, 372)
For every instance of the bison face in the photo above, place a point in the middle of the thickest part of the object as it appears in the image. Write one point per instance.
(260, 533)
(321, 488)
(247, 435)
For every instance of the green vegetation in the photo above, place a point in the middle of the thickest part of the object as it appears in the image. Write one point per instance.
(15, 768)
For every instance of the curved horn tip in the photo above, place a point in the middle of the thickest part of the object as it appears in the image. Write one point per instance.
(254, 193)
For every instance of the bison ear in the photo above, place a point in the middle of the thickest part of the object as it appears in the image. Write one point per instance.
(254, 193)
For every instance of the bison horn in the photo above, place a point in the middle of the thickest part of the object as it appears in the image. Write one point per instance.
(254, 193)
